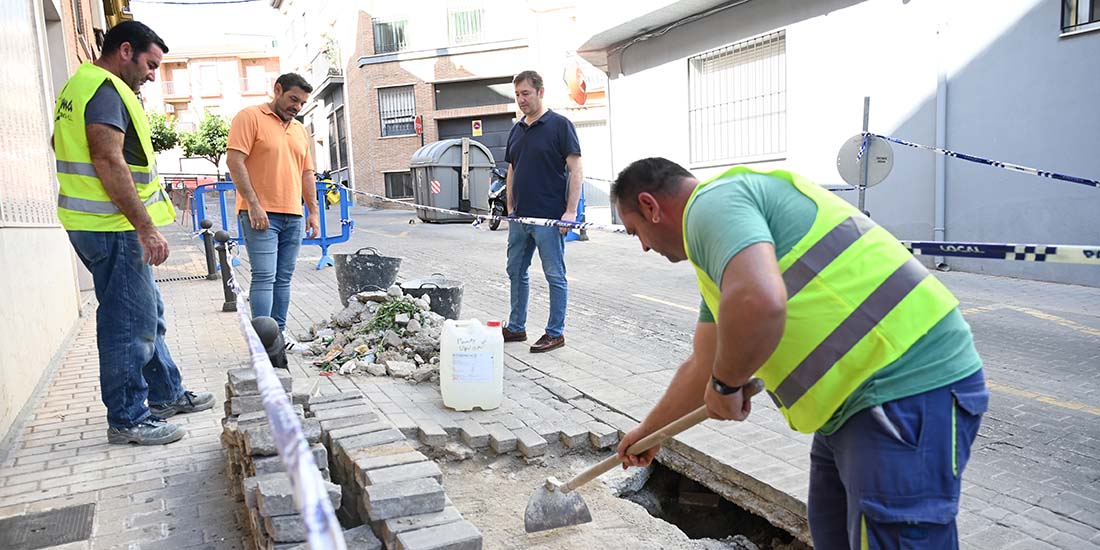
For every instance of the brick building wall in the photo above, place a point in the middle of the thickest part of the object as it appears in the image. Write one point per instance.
(374, 155)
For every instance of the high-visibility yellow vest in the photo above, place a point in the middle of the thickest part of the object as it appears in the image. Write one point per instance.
(82, 202)
(856, 301)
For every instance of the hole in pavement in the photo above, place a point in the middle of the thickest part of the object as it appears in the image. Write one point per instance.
(703, 514)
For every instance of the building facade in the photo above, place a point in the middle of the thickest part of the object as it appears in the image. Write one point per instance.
(782, 84)
(42, 42)
(221, 81)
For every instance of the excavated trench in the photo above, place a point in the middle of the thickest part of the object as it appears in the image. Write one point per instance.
(703, 514)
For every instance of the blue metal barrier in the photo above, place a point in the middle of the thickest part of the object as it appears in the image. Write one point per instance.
(227, 212)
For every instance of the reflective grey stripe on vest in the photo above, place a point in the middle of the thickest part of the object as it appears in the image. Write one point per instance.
(88, 169)
(101, 207)
(823, 252)
(850, 331)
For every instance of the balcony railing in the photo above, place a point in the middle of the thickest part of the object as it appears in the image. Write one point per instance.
(173, 88)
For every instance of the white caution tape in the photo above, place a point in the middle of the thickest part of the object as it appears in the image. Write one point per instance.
(310, 495)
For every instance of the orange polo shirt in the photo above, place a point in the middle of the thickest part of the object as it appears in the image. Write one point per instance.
(277, 157)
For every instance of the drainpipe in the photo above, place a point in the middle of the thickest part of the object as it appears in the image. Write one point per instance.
(939, 229)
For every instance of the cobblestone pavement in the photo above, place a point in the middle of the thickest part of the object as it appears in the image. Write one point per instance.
(1034, 480)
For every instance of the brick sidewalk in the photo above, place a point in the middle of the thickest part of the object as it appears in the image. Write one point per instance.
(170, 497)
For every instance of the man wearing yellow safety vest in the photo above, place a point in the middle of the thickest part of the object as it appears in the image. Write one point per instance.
(111, 202)
(855, 340)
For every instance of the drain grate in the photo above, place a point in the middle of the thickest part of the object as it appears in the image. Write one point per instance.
(188, 278)
(45, 529)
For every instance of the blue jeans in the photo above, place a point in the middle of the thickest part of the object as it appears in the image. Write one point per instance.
(134, 363)
(273, 253)
(523, 239)
(890, 477)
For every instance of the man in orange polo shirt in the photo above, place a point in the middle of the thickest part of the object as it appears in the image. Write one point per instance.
(268, 157)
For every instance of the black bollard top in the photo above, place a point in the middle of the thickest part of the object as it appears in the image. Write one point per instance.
(221, 236)
(267, 329)
(206, 224)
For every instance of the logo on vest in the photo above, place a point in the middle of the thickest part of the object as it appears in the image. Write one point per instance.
(64, 110)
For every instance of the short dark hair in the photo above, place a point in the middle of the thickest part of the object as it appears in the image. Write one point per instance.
(138, 34)
(530, 76)
(293, 80)
(654, 175)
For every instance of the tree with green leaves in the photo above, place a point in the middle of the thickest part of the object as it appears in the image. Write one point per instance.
(209, 141)
(164, 133)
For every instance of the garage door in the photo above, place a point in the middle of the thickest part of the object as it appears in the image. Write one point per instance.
(494, 133)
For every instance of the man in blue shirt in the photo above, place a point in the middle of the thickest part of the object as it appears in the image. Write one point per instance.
(544, 181)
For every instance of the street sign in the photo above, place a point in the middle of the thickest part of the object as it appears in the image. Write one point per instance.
(418, 124)
(475, 128)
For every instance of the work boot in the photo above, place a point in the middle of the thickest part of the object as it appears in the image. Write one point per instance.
(151, 431)
(189, 402)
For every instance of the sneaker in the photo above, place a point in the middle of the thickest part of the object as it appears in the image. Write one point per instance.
(151, 431)
(189, 402)
(293, 346)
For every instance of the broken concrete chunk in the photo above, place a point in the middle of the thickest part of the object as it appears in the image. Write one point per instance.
(400, 369)
(243, 381)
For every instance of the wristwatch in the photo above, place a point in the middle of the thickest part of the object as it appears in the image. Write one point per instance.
(722, 388)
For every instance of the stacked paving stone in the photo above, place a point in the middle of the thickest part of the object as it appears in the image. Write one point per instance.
(386, 482)
(257, 475)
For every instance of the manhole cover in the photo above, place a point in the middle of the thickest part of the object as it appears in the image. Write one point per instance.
(60, 526)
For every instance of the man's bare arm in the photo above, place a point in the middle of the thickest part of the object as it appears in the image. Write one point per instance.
(576, 181)
(684, 394)
(508, 192)
(234, 159)
(309, 194)
(105, 144)
(751, 314)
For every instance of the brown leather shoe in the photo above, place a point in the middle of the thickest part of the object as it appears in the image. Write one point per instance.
(547, 343)
(510, 336)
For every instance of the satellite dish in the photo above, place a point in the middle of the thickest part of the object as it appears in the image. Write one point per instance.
(879, 156)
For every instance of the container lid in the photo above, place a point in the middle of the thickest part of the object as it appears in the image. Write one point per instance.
(492, 323)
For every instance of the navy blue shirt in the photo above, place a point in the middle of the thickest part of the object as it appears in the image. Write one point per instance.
(537, 153)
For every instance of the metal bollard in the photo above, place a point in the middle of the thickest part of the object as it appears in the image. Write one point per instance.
(208, 249)
(223, 257)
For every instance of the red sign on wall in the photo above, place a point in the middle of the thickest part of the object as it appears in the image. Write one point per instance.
(419, 125)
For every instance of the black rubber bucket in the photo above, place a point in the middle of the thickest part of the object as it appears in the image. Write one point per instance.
(445, 294)
(364, 271)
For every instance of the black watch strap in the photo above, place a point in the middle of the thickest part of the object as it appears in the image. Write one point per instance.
(722, 388)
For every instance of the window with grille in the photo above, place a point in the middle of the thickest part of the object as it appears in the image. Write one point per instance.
(399, 185)
(397, 110)
(465, 26)
(737, 101)
(1080, 15)
(389, 35)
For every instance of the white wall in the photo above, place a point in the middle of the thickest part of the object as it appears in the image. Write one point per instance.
(1016, 92)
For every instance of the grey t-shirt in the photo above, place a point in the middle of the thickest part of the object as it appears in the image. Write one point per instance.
(106, 107)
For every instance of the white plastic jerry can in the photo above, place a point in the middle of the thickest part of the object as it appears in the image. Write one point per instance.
(471, 364)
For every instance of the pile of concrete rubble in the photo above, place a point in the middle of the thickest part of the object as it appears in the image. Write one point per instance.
(381, 334)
